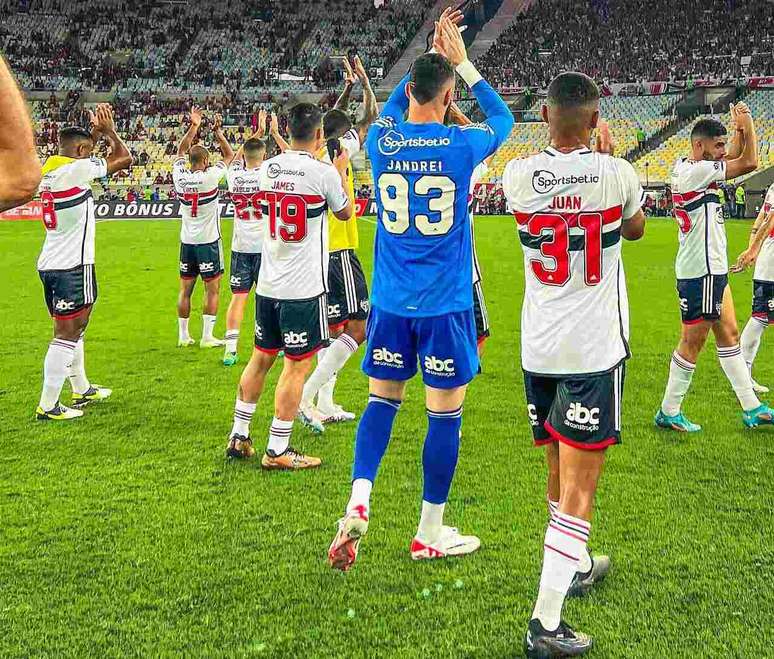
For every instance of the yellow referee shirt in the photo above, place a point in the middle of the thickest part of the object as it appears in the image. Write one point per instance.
(342, 234)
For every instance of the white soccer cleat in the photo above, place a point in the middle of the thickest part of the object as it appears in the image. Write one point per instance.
(759, 388)
(310, 417)
(335, 414)
(58, 413)
(212, 343)
(449, 543)
(185, 343)
(95, 393)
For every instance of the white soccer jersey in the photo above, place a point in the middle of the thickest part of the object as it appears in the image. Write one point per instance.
(569, 209)
(764, 265)
(478, 172)
(244, 185)
(68, 214)
(699, 216)
(198, 196)
(350, 142)
(297, 191)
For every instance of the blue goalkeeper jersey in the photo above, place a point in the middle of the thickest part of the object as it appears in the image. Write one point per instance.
(423, 250)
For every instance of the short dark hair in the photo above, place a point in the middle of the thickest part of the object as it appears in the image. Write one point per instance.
(335, 123)
(572, 89)
(429, 74)
(303, 120)
(197, 154)
(72, 134)
(254, 146)
(707, 128)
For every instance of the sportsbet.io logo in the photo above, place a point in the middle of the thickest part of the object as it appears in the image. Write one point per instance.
(274, 170)
(544, 181)
(392, 141)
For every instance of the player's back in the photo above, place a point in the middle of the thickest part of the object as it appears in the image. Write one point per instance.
(197, 192)
(343, 234)
(296, 189)
(244, 185)
(68, 211)
(423, 251)
(764, 264)
(699, 215)
(569, 208)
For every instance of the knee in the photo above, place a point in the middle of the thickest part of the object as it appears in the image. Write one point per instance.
(357, 330)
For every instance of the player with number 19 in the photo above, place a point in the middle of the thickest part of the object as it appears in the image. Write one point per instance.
(422, 301)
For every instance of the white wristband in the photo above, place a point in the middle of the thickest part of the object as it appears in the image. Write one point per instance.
(468, 73)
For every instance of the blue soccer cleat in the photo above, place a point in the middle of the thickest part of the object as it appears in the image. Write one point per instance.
(762, 415)
(677, 422)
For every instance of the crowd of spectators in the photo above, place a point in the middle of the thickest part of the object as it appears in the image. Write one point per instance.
(633, 41)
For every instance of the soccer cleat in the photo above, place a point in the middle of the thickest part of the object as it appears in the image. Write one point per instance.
(310, 417)
(186, 342)
(335, 414)
(290, 459)
(583, 582)
(212, 343)
(57, 413)
(230, 358)
(95, 392)
(449, 543)
(240, 447)
(343, 550)
(539, 643)
(762, 415)
(759, 388)
(677, 422)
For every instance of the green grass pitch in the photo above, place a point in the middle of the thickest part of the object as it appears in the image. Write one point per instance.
(127, 532)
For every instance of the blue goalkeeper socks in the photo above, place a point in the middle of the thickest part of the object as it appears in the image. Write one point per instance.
(373, 436)
(439, 456)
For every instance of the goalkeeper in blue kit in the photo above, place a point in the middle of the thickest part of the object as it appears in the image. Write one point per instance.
(422, 300)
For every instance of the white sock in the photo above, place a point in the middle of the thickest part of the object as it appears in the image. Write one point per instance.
(56, 368)
(78, 380)
(584, 563)
(430, 521)
(243, 414)
(361, 494)
(279, 435)
(208, 325)
(733, 365)
(232, 338)
(325, 395)
(565, 541)
(336, 356)
(751, 338)
(680, 376)
(182, 329)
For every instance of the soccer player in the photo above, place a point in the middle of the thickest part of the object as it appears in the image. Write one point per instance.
(290, 304)
(572, 207)
(706, 302)
(761, 252)
(244, 184)
(201, 247)
(19, 164)
(348, 303)
(422, 304)
(66, 262)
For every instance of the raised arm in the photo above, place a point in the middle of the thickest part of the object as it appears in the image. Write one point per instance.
(274, 131)
(259, 131)
(120, 157)
(225, 148)
(764, 224)
(19, 164)
(342, 102)
(748, 159)
(370, 108)
(188, 138)
(736, 143)
(459, 118)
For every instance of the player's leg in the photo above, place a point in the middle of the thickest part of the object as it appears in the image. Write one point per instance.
(189, 271)
(698, 316)
(482, 319)
(390, 361)
(243, 276)
(234, 315)
(268, 342)
(732, 362)
(449, 357)
(304, 330)
(585, 418)
(762, 310)
(210, 260)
